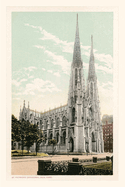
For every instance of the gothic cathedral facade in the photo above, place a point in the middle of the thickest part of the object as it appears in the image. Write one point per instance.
(76, 126)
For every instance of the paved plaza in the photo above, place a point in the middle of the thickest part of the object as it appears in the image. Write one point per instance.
(29, 166)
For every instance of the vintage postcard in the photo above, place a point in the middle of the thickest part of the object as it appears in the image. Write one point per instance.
(62, 71)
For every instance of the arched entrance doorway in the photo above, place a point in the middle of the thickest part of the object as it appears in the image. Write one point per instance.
(71, 145)
(93, 142)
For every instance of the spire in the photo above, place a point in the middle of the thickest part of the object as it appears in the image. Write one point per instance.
(91, 73)
(77, 52)
(77, 28)
(92, 44)
(24, 103)
(28, 105)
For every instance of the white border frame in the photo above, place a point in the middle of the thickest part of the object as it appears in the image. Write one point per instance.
(115, 75)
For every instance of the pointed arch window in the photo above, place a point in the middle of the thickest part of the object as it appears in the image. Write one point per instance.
(93, 137)
(57, 122)
(73, 115)
(45, 124)
(30, 116)
(52, 123)
(57, 137)
(45, 138)
(76, 76)
(64, 121)
(50, 136)
(64, 138)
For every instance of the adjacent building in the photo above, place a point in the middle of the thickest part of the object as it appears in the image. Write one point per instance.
(108, 137)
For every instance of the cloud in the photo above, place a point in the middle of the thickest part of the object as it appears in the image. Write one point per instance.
(103, 69)
(16, 98)
(43, 69)
(49, 71)
(68, 48)
(15, 83)
(18, 83)
(57, 59)
(38, 85)
(23, 80)
(105, 58)
(57, 74)
(31, 68)
(30, 77)
(24, 72)
(106, 89)
(35, 27)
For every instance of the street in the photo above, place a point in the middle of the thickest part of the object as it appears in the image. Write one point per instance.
(29, 166)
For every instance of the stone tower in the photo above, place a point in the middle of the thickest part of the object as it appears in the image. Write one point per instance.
(93, 120)
(76, 95)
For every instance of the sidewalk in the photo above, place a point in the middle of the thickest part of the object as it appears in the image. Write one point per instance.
(84, 156)
(29, 166)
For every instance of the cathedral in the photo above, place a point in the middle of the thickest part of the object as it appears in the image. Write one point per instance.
(76, 126)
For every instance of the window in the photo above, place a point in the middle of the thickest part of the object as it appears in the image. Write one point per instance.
(52, 123)
(50, 136)
(75, 76)
(64, 121)
(57, 122)
(64, 138)
(57, 137)
(45, 124)
(45, 138)
(73, 115)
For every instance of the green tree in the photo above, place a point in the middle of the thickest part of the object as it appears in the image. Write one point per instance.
(15, 131)
(22, 129)
(27, 134)
(28, 138)
(37, 136)
(52, 142)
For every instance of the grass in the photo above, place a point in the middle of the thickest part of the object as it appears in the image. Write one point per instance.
(103, 165)
(25, 153)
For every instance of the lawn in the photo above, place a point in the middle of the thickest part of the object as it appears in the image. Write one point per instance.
(103, 165)
(17, 153)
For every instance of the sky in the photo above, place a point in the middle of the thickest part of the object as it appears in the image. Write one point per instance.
(42, 53)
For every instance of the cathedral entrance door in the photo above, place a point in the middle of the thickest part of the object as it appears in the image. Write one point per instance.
(93, 143)
(71, 145)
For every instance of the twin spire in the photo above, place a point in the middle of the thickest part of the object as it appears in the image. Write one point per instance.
(91, 73)
(77, 52)
(77, 61)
